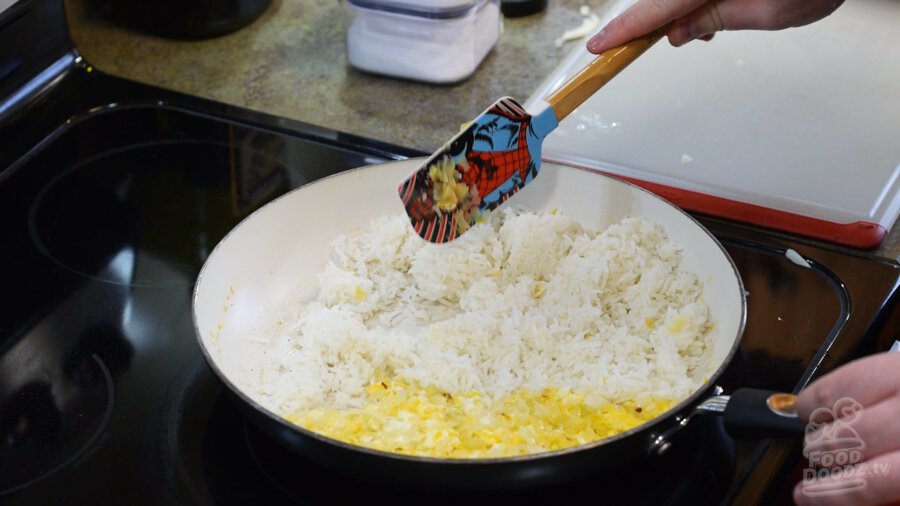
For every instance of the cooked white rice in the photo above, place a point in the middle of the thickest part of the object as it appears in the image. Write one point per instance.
(524, 300)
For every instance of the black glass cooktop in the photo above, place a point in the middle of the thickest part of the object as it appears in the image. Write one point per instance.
(109, 209)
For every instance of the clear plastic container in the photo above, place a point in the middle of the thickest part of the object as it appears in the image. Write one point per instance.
(438, 41)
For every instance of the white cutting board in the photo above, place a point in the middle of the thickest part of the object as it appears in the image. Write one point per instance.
(797, 129)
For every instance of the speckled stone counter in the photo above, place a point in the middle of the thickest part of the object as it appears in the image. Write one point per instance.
(291, 62)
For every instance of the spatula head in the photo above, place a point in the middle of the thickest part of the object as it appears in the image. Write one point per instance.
(480, 168)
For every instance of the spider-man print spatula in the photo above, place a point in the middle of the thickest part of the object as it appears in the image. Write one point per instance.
(499, 152)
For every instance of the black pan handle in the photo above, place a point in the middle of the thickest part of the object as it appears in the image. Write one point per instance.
(748, 413)
(752, 413)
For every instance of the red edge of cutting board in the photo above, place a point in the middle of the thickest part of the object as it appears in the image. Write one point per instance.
(858, 234)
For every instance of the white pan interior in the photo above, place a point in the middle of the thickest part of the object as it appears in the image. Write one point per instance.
(270, 261)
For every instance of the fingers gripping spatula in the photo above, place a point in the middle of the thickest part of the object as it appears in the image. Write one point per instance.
(499, 152)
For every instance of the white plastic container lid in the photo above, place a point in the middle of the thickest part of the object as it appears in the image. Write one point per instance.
(423, 45)
(435, 9)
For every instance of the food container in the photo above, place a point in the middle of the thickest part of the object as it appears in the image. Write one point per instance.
(436, 41)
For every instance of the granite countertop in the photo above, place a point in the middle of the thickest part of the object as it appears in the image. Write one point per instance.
(291, 62)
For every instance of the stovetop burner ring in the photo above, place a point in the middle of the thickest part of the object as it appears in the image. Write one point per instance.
(23, 425)
(119, 217)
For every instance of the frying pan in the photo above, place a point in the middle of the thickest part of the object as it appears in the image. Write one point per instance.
(270, 260)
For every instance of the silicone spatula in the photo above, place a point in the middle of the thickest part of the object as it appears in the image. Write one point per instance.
(499, 152)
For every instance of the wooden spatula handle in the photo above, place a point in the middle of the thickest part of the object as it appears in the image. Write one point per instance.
(599, 72)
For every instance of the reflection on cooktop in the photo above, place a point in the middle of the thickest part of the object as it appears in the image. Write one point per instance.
(51, 419)
(783, 334)
(115, 216)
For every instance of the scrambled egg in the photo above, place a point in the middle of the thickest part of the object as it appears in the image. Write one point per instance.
(359, 294)
(448, 191)
(404, 417)
(452, 195)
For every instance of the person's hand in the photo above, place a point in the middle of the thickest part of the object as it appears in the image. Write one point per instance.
(700, 19)
(864, 395)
